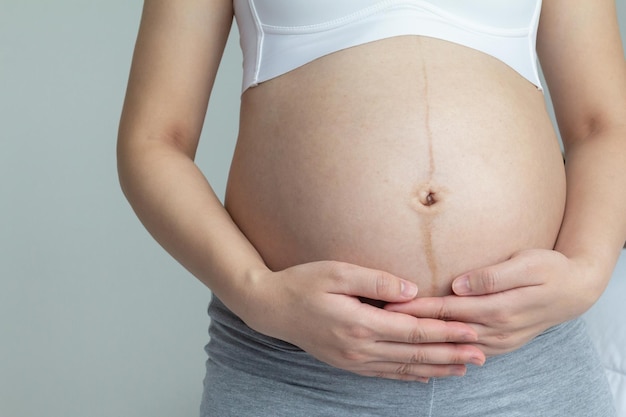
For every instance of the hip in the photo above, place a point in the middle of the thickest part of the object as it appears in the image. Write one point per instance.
(249, 374)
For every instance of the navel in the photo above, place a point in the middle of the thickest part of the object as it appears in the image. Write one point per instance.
(426, 196)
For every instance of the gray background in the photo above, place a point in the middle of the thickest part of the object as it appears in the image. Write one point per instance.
(95, 318)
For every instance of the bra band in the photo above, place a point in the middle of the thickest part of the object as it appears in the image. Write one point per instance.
(278, 36)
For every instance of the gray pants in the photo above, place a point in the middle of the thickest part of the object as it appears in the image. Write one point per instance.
(251, 375)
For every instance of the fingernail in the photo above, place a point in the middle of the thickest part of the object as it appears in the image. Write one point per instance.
(469, 337)
(476, 360)
(408, 289)
(459, 371)
(423, 380)
(461, 286)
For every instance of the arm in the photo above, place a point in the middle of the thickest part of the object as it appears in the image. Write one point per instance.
(590, 102)
(178, 50)
(314, 306)
(510, 303)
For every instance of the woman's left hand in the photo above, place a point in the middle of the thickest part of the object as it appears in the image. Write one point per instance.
(510, 303)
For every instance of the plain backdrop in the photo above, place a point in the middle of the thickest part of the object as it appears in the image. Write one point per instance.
(95, 318)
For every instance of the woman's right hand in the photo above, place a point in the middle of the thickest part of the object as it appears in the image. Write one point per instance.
(317, 307)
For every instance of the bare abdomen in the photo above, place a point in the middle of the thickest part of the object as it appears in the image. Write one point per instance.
(426, 165)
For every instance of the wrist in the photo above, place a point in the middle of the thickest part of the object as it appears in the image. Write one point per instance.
(593, 276)
(256, 300)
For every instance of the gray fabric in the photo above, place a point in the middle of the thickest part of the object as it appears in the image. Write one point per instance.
(251, 375)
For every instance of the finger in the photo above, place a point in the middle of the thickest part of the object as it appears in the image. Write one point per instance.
(497, 326)
(428, 354)
(412, 372)
(513, 273)
(397, 377)
(372, 284)
(449, 309)
(389, 326)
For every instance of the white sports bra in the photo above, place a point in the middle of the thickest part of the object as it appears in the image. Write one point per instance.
(278, 36)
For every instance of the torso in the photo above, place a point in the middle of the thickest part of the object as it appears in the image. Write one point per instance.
(411, 155)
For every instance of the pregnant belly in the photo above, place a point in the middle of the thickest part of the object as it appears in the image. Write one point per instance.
(418, 181)
(423, 219)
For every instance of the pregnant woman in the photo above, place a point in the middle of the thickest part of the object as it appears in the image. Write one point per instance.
(397, 211)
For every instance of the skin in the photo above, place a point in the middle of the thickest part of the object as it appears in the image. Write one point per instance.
(504, 304)
(510, 303)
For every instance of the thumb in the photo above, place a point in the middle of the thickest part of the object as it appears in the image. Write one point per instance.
(377, 285)
(504, 276)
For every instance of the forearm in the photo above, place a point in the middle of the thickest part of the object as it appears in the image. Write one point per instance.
(178, 207)
(594, 225)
